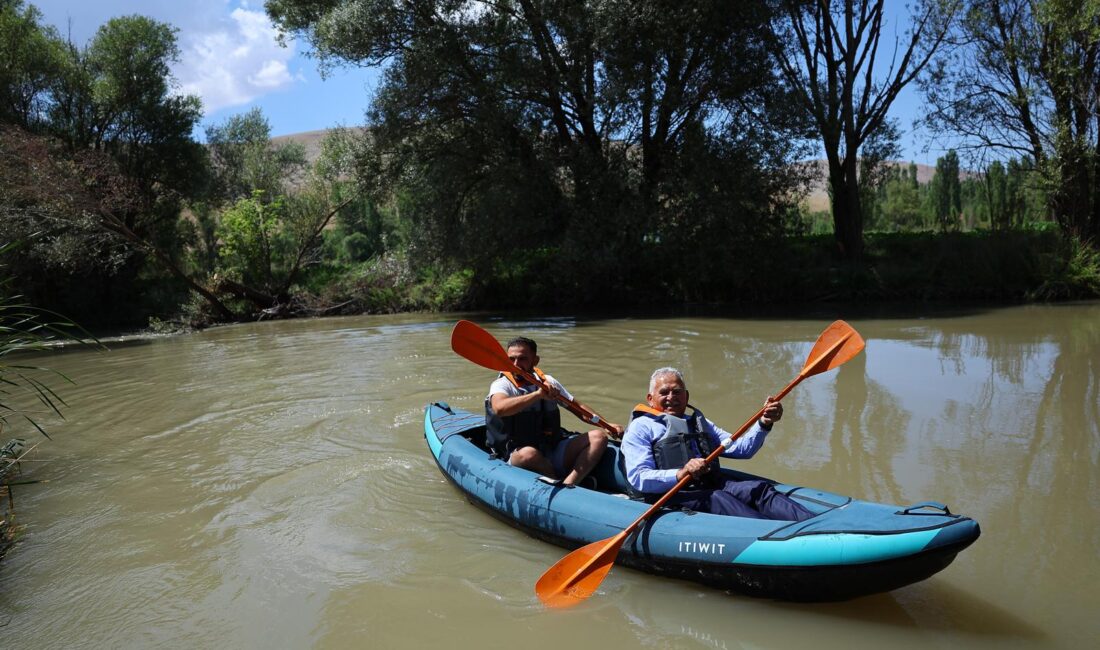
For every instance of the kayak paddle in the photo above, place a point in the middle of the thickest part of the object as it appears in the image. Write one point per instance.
(475, 344)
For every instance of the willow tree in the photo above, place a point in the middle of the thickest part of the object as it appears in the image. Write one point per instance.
(831, 53)
(113, 105)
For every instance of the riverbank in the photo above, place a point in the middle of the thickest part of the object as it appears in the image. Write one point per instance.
(1002, 267)
(791, 275)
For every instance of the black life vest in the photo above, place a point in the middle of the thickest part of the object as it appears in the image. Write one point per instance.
(538, 426)
(682, 440)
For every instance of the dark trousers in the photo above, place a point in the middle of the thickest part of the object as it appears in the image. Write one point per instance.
(753, 499)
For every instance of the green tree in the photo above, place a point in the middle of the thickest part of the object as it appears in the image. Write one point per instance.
(267, 242)
(947, 192)
(875, 170)
(246, 160)
(901, 201)
(252, 241)
(1025, 200)
(996, 191)
(113, 106)
(525, 133)
(117, 96)
(1036, 63)
(829, 53)
(30, 58)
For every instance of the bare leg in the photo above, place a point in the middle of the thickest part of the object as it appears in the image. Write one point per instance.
(582, 454)
(532, 459)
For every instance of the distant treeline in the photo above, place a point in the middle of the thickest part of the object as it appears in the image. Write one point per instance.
(556, 155)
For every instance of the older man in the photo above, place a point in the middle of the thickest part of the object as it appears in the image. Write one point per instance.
(663, 444)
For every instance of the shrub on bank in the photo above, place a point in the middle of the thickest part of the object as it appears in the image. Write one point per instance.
(1011, 266)
(1032, 264)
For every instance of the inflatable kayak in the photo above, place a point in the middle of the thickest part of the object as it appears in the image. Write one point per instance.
(849, 548)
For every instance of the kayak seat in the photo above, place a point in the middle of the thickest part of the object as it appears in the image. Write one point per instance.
(610, 472)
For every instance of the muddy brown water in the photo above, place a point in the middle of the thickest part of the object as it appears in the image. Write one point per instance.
(268, 485)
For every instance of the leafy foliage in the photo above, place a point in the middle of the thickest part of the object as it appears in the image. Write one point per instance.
(95, 129)
(30, 57)
(1035, 64)
(253, 240)
(587, 129)
(245, 160)
(947, 192)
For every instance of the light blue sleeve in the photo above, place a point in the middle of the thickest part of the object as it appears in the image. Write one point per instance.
(641, 470)
(744, 447)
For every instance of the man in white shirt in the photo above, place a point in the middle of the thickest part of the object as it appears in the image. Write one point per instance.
(524, 422)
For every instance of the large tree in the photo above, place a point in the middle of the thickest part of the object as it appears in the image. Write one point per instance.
(946, 192)
(583, 127)
(1023, 79)
(829, 51)
(118, 95)
(30, 57)
(113, 102)
(245, 159)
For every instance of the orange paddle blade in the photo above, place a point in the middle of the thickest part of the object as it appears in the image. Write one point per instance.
(836, 345)
(577, 576)
(472, 342)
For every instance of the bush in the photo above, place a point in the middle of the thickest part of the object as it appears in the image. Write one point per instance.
(356, 247)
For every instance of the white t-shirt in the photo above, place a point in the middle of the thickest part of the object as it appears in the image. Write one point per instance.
(508, 389)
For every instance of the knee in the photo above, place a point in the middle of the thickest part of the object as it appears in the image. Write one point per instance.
(597, 439)
(524, 456)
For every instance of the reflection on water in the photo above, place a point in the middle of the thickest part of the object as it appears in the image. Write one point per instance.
(268, 485)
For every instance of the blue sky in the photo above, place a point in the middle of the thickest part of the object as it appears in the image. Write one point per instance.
(230, 59)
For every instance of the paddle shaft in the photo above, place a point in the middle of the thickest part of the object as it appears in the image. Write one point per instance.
(613, 544)
(586, 415)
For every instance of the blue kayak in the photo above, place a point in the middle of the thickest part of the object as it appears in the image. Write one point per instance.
(849, 548)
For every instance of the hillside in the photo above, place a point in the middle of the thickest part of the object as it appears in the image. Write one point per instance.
(816, 199)
(311, 140)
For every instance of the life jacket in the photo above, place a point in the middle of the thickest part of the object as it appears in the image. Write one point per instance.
(682, 440)
(538, 426)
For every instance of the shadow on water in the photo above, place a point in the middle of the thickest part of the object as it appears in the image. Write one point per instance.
(733, 621)
(940, 607)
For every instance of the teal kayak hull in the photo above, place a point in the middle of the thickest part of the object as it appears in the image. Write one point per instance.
(850, 547)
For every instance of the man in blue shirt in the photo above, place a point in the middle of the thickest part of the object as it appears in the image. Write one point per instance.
(663, 444)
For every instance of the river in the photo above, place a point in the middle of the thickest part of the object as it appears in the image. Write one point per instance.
(267, 485)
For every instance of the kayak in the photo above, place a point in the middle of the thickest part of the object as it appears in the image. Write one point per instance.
(849, 548)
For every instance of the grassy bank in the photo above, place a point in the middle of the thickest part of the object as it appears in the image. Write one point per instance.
(1025, 265)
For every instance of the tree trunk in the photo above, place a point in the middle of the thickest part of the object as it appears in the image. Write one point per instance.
(112, 223)
(847, 208)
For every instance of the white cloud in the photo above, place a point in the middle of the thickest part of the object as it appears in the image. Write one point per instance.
(228, 52)
(234, 61)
